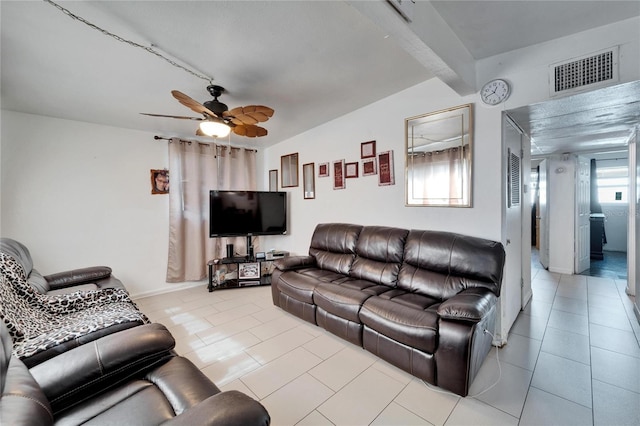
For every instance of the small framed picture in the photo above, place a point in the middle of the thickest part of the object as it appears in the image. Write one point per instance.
(249, 271)
(338, 174)
(368, 149)
(273, 180)
(351, 170)
(369, 167)
(323, 170)
(159, 181)
(386, 175)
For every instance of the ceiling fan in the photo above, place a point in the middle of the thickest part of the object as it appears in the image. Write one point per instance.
(217, 120)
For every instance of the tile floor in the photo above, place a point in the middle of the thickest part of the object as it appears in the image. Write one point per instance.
(572, 358)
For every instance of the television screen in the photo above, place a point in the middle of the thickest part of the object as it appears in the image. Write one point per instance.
(240, 213)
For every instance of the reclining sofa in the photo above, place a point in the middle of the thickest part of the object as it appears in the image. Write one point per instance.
(425, 301)
(91, 278)
(127, 378)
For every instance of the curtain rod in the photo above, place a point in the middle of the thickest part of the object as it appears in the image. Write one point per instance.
(156, 137)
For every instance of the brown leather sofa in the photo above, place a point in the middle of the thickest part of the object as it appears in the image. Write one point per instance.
(424, 301)
(126, 378)
(90, 278)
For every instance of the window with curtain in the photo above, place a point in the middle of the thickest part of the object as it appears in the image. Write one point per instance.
(195, 169)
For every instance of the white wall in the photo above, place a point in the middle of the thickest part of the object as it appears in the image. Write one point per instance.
(561, 207)
(78, 194)
(363, 201)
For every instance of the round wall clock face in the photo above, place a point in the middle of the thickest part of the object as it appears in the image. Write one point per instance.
(495, 91)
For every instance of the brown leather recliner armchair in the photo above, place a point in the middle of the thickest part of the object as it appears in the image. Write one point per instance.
(90, 278)
(130, 377)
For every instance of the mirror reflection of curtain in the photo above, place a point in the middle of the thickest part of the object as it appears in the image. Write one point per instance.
(440, 175)
(195, 169)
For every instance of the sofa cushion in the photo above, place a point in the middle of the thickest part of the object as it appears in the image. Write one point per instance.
(379, 254)
(411, 326)
(344, 301)
(333, 246)
(442, 264)
(19, 252)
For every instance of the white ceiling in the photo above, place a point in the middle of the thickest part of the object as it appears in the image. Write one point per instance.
(311, 61)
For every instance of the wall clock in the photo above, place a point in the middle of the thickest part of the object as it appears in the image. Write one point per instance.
(495, 92)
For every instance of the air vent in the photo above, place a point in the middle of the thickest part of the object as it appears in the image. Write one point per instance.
(590, 71)
(514, 178)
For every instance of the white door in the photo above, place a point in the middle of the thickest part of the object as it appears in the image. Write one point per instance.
(544, 214)
(583, 212)
(512, 281)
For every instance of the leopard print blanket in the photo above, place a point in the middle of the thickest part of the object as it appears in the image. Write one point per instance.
(38, 322)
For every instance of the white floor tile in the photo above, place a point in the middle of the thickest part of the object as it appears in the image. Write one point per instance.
(325, 345)
(616, 369)
(271, 377)
(564, 378)
(279, 345)
(542, 408)
(567, 345)
(615, 406)
(569, 322)
(529, 326)
(222, 349)
(430, 403)
(314, 419)
(230, 369)
(470, 411)
(362, 400)
(614, 340)
(279, 405)
(341, 368)
(395, 414)
(520, 351)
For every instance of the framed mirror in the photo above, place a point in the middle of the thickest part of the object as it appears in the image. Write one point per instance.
(439, 151)
(289, 169)
(309, 181)
(273, 180)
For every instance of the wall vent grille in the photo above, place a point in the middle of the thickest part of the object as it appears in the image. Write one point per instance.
(513, 166)
(589, 71)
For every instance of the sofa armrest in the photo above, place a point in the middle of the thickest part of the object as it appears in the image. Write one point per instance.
(294, 262)
(471, 304)
(86, 370)
(224, 408)
(77, 276)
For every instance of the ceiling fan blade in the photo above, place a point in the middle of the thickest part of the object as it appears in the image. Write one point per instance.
(191, 103)
(182, 117)
(249, 130)
(250, 114)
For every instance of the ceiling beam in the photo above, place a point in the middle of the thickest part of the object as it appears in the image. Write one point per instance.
(428, 39)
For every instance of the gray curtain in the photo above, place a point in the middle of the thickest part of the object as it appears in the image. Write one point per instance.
(196, 168)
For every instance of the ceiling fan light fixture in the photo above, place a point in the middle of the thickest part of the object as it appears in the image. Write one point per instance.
(215, 129)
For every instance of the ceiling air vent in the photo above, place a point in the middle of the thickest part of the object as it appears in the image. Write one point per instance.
(583, 73)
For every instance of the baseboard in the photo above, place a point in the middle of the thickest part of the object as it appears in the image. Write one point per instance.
(174, 287)
(561, 271)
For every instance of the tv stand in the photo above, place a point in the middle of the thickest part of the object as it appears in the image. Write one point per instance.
(249, 272)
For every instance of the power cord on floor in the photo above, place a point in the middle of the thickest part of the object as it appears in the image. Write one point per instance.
(435, 389)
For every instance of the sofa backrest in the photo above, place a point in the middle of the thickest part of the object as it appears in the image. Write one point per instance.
(379, 252)
(21, 254)
(442, 264)
(333, 245)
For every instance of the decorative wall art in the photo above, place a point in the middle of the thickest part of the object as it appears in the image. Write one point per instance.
(323, 170)
(308, 181)
(338, 174)
(351, 170)
(368, 149)
(273, 180)
(289, 169)
(160, 181)
(369, 167)
(385, 174)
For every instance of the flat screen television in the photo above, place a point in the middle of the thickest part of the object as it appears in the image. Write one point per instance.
(246, 213)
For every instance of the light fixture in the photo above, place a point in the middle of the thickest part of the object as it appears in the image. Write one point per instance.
(214, 129)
